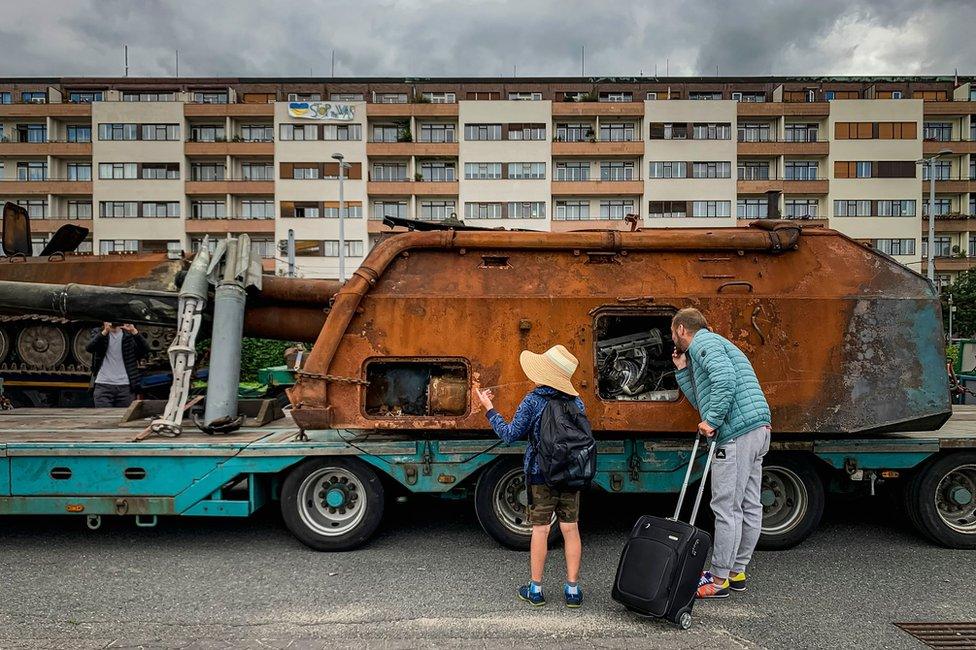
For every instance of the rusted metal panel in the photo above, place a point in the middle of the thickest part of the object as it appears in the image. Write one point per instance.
(843, 339)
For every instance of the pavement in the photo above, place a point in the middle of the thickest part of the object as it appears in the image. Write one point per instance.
(431, 577)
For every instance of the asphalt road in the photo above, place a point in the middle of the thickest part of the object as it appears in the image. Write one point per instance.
(432, 577)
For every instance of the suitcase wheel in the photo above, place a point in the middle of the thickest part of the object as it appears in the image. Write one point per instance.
(683, 620)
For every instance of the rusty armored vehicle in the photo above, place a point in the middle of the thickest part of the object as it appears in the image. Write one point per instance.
(846, 342)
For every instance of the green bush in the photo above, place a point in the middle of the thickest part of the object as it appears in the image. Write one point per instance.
(255, 354)
(952, 354)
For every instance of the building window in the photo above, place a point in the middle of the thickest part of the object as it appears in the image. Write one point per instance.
(390, 98)
(712, 169)
(79, 171)
(483, 96)
(300, 210)
(525, 96)
(131, 96)
(752, 208)
(109, 246)
(211, 97)
(482, 210)
(304, 97)
(801, 170)
(387, 133)
(572, 171)
(801, 132)
(753, 170)
(5, 98)
(78, 133)
(616, 208)
(257, 171)
(616, 96)
(84, 97)
(383, 209)
(943, 246)
(118, 131)
(79, 209)
(208, 210)
(342, 132)
(161, 209)
(708, 131)
(257, 132)
(896, 208)
(617, 132)
(651, 96)
(350, 211)
(667, 209)
(482, 171)
(572, 210)
(875, 130)
(32, 171)
(705, 95)
(758, 132)
(346, 97)
(943, 170)
(439, 98)
(389, 172)
(353, 248)
(972, 168)
(527, 210)
(298, 132)
(201, 133)
(436, 210)
(972, 246)
(575, 133)
(616, 171)
(31, 133)
(526, 131)
(668, 169)
(117, 171)
(437, 132)
(207, 171)
(801, 208)
(942, 207)
(939, 131)
(711, 208)
(34, 97)
(164, 132)
(438, 171)
(850, 208)
(118, 209)
(36, 208)
(749, 98)
(482, 131)
(257, 209)
(305, 171)
(895, 246)
(527, 171)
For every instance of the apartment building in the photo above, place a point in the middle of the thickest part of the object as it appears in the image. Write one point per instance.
(156, 164)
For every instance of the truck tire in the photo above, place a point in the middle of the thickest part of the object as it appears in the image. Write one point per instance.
(332, 503)
(941, 499)
(793, 501)
(500, 505)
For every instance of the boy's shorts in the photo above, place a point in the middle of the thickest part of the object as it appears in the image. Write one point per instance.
(545, 501)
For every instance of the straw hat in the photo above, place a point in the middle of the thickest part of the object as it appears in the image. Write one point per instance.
(553, 368)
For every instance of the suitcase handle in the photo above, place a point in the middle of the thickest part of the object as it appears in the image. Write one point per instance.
(701, 487)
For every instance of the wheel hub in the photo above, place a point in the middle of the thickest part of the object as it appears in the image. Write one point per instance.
(335, 498)
(784, 500)
(954, 499)
(961, 496)
(767, 498)
(332, 501)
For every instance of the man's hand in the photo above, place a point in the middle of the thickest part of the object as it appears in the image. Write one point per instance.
(706, 429)
(485, 396)
(679, 359)
(106, 328)
(130, 328)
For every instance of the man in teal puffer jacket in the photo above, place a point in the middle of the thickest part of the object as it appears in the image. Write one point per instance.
(719, 381)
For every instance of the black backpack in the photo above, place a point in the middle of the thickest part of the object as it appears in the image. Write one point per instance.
(566, 449)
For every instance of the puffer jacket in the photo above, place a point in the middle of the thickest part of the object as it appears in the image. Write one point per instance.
(719, 381)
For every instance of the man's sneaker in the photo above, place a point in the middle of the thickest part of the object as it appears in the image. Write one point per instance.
(534, 598)
(573, 601)
(712, 590)
(737, 581)
(705, 578)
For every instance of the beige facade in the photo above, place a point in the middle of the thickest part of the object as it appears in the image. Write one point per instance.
(157, 164)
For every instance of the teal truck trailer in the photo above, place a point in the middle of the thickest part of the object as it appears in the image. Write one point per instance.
(332, 487)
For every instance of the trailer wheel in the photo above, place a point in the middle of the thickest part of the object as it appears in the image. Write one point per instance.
(792, 496)
(941, 500)
(332, 504)
(501, 505)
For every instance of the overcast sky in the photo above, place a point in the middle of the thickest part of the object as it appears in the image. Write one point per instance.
(488, 38)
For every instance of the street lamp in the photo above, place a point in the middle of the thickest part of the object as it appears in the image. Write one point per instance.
(951, 309)
(931, 163)
(342, 207)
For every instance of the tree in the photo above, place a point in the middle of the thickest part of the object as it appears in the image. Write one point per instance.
(963, 291)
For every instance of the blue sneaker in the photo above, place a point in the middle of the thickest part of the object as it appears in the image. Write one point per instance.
(573, 600)
(534, 598)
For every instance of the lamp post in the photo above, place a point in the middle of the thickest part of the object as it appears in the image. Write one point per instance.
(930, 263)
(342, 208)
(951, 309)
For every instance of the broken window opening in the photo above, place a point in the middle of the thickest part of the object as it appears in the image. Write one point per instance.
(425, 388)
(633, 358)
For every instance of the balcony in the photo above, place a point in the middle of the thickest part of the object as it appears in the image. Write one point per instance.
(931, 109)
(955, 146)
(949, 185)
(624, 148)
(805, 222)
(406, 188)
(783, 148)
(230, 224)
(949, 264)
(233, 110)
(47, 186)
(597, 188)
(52, 224)
(404, 149)
(45, 110)
(233, 148)
(47, 148)
(949, 223)
(788, 109)
(230, 186)
(416, 109)
(590, 109)
(787, 186)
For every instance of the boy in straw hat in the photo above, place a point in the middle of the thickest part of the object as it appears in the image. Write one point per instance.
(552, 371)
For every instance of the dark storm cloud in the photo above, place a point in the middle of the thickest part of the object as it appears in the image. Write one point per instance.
(488, 38)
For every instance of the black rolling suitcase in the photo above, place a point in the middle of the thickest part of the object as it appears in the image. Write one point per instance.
(663, 559)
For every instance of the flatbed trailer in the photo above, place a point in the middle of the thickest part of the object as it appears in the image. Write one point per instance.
(332, 485)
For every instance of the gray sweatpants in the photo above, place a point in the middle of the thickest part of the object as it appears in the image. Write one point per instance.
(736, 482)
